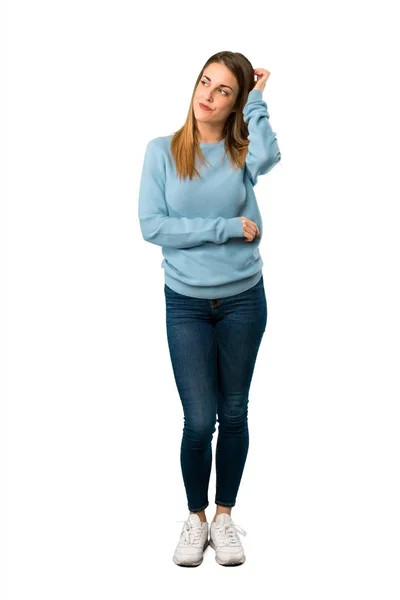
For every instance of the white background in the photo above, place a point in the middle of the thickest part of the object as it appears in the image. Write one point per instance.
(94, 421)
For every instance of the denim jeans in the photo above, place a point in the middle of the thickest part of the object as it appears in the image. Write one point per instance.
(213, 346)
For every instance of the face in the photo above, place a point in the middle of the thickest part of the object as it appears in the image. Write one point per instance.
(217, 89)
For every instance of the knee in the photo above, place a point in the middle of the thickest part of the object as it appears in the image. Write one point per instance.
(199, 431)
(233, 422)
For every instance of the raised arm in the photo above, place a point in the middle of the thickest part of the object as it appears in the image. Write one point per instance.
(263, 151)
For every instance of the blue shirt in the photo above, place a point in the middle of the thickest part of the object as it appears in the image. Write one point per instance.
(197, 222)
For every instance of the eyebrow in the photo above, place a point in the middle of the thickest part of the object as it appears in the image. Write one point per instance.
(221, 85)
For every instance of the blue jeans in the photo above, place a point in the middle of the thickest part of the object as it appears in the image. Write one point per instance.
(213, 346)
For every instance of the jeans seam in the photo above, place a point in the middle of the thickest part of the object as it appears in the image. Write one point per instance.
(224, 503)
(198, 509)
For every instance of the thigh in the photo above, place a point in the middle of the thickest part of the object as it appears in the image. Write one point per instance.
(239, 334)
(192, 348)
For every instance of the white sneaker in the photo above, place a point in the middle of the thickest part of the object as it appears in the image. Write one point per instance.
(192, 543)
(225, 541)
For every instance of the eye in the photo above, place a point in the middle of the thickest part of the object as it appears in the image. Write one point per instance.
(221, 90)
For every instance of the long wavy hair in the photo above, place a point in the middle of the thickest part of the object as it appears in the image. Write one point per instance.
(185, 144)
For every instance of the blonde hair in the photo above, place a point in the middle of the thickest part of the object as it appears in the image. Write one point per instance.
(185, 144)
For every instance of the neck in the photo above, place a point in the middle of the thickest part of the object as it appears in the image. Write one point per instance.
(208, 134)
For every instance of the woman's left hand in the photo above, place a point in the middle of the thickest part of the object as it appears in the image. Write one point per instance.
(262, 76)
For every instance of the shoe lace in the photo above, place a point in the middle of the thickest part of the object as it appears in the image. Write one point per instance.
(228, 533)
(191, 534)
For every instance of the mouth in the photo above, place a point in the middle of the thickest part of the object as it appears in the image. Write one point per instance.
(204, 107)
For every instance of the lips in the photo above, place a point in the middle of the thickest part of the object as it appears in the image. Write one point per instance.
(205, 107)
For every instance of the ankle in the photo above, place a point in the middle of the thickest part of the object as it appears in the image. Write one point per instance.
(222, 509)
(201, 515)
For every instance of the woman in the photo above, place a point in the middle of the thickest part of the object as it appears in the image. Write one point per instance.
(197, 202)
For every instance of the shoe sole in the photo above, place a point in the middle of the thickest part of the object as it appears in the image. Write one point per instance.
(191, 564)
(231, 563)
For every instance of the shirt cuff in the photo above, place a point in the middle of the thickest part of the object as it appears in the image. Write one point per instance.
(235, 227)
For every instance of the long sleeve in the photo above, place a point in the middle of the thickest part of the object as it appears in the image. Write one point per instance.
(263, 151)
(159, 228)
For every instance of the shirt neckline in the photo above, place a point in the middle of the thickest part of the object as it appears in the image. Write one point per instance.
(212, 143)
